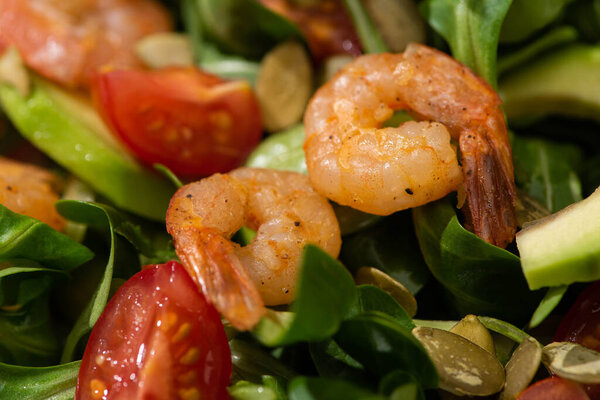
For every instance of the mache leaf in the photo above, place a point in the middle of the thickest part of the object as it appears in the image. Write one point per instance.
(27, 336)
(389, 245)
(23, 237)
(480, 278)
(471, 28)
(382, 345)
(525, 17)
(46, 383)
(309, 388)
(325, 292)
(548, 171)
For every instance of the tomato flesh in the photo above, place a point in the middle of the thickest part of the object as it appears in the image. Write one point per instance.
(553, 388)
(193, 122)
(158, 338)
(326, 26)
(582, 325)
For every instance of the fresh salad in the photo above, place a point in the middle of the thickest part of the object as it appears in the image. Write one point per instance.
(299, 199)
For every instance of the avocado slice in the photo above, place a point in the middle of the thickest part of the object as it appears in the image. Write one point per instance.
(566, 82)
(564, 247)
(68, 129)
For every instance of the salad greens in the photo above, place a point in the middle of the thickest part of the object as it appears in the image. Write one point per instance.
(337, 339)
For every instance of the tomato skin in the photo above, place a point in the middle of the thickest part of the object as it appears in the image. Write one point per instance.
(553, 388)
(326, 26)
(193, 122)
(582, 325)
(158, 338)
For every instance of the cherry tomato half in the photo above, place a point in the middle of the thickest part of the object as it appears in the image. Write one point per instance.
(326, 26)
(553, 388)
(193, 122)
(158, 338)
(582, 325)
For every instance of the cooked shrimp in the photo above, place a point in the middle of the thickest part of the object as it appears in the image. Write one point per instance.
(286, 213)
(30, 190)
(355, 162)
(68, 40)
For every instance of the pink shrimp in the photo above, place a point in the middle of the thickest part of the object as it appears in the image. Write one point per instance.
(355, 162)
(286, 213)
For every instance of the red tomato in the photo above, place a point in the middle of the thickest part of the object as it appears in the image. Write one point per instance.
(67, 41)
(193, 122)
(553, 388)
(326, 26)
(158, 338)
(582, 325)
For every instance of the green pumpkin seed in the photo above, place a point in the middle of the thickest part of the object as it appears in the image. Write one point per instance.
(521, 368)
(13, 71)
(283, 85)
(398, 21)
(375, 277)
(572, 361)
(464, 367)
(165, 49)
(472, 329)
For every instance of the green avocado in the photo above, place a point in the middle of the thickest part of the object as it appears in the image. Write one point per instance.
(68, 130)
(564, 247)
(565, 82)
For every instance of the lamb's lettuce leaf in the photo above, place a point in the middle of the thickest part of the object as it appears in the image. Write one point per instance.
(23, 237)
(525, 17)
(476, 274)
(325, 292)
(383, 345)
(556, 37)
(471, 28)
(548, 171)
(27, 335)
(47, 383)
(391, 246)
(310, 388)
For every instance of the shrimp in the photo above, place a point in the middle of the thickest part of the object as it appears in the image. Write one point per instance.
(286, 213)
(355, 162)
(30, 190)
(69, 40)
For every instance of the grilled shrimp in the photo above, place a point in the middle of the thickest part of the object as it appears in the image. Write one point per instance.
(68, 40)
(355, 162)
(286, 213)
(30, 190)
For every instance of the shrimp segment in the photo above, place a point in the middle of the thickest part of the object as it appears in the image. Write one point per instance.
(286, 213)
(30, 190)
(355, 162)
(69, 40)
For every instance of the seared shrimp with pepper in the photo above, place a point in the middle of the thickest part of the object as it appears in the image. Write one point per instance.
(286, 213)
(30, 190)
(352, 160)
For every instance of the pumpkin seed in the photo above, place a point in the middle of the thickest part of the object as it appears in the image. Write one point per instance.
(13, 71)
(332, 65)
(521, 368)
(528, 209)
(165, 49)
(464, 367)
(375, 277)
(472, 329)
(283, 85)
(398, 21)
(572, 361)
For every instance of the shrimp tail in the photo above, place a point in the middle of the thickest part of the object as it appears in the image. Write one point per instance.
(491, 195)
(210, 260)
